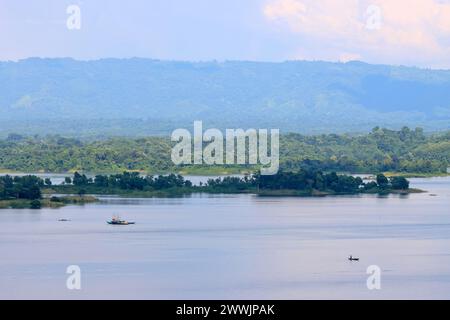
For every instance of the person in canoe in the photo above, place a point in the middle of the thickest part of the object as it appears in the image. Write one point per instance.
(352, 259)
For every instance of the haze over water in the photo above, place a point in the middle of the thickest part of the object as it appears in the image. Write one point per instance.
(233, 247)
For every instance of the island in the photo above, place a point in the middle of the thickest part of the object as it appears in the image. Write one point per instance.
(299, 183)
(33, 192)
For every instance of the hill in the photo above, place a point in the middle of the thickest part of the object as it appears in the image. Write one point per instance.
(143, 96)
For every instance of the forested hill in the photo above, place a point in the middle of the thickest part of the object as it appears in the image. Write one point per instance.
(146, 97)
(380, 150)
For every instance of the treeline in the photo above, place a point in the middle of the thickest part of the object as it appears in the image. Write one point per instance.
(29, 187)
(26, 187)
(382, 150)
(329, 182)
(303, 180)
(129, 181)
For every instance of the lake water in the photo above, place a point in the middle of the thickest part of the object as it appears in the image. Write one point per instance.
(233, 247)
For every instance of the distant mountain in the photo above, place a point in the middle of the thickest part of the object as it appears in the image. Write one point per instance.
(143, 96)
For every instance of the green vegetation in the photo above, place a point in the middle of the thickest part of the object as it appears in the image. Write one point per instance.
(126, 184)
(72, 200)
(54, 202)
(406, 151)
(26, 192)
(304, 183)
(27, 187)
(409, 152)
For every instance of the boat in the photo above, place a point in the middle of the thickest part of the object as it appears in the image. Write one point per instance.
(352, 259)
(119, 222)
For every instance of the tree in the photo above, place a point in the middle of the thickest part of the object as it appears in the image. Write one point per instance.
(35, 204)
(48, 182)
(68, 180)
(371, 185)
(399, 183)
(382, 181)
(33, 193)
(101, 181)
(80, 180)
(26, 187)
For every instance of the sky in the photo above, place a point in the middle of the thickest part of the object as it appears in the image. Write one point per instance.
(398, 32)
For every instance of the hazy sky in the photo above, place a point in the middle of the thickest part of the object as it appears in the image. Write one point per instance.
(409, 32)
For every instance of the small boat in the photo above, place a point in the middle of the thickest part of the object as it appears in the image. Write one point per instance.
(63, 220)
(119, 222)
(352, 259)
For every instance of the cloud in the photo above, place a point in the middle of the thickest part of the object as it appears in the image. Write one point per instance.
(400, 31)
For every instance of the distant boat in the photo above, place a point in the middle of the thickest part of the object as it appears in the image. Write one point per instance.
(352, 259)
(118, 221)
(63, 220)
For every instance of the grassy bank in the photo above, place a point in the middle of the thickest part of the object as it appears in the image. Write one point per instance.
(53, 202)
(416, 174)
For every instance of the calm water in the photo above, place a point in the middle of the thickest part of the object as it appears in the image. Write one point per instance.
(233, 247)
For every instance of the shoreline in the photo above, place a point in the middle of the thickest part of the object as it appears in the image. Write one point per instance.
(36, 192)
(221, 173)
(180, 192)
(59, 200)
(47, 202)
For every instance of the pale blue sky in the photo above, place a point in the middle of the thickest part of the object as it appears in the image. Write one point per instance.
(410, 32)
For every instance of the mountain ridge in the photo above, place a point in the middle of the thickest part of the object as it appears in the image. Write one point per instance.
(295, 96)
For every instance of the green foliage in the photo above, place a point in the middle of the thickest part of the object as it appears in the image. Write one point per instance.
(382, 181)
(382, 150)
(399, 183)
(57, 154)
(55, 199)
(311, 180)
(26, 187)
(134, 181)
(303, 180)
(35, 204)
(80, 179)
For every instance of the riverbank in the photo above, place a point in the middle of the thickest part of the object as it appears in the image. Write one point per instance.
(211, 171)
(61, 201)
(417, 175)
(49, 202)
(317, 193)
(186, 191)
